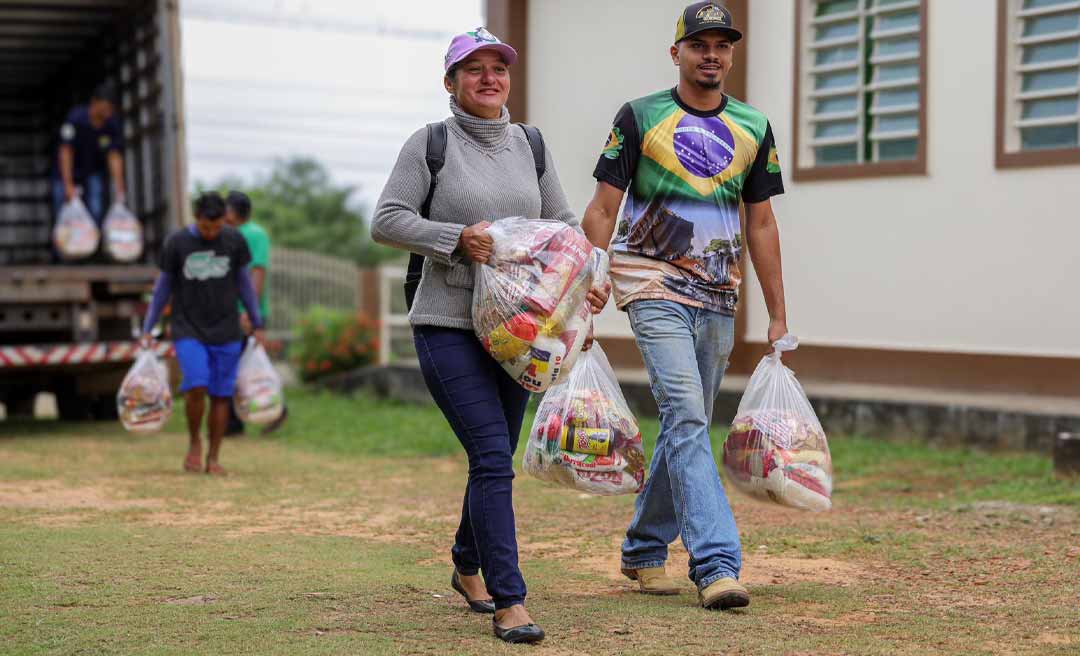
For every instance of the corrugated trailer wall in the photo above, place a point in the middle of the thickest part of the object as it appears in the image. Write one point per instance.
(52, 54)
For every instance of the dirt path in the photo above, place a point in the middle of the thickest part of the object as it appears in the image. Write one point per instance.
(869, 577)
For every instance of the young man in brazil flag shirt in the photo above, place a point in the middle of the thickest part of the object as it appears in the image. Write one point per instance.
(688, 157)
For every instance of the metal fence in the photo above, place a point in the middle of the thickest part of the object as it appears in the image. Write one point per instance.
(301, 279)
(395, 341)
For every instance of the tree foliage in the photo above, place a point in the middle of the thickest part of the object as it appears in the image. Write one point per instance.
(301, 207)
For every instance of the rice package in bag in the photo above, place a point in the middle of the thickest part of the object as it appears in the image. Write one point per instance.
(123, 234)
(259, 398)
(584, 436)
(75, 235)
(144, 401)
(777, 450)
(529, 308)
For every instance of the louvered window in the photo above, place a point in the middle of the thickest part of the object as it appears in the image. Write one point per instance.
(860, 74)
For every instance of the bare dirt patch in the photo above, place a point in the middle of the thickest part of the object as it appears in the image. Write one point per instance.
(199, 600)
(781, 570)
(758, 569)
(1055, 639)
(55, 495)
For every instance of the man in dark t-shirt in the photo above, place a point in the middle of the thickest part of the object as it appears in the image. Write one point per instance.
(687, 158)
(204, 271)
(91, 149)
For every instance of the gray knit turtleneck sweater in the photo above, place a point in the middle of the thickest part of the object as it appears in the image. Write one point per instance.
(489, 175)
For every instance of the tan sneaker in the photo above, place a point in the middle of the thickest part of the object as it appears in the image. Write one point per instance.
(652, 580)
(723, 594)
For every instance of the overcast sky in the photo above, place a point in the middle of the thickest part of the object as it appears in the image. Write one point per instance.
(343, 81)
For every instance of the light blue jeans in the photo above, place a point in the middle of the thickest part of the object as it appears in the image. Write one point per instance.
(686, 351)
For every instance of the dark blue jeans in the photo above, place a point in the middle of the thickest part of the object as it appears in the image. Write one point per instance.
(94, 196)
(485, 408)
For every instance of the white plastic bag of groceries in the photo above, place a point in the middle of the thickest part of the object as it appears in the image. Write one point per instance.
(75, 234)
(777, 450)
(529, 308)
(584, 436)
(144, 401)
(258, 398)
(123, 234)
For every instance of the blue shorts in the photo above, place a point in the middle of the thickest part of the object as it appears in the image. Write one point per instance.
(212, 366)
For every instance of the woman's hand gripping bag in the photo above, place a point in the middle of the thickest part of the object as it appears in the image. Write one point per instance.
(144, 401)
(258, 398)
(529, 299)
(584, 436)
(777, 450)
(75, 235)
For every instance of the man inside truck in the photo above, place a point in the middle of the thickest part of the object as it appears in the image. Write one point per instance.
(91, 148)
(204, 270)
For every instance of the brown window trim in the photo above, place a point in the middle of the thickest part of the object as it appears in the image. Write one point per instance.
(1019, 159)
(971, 372)
(916, 166)
(509, 20)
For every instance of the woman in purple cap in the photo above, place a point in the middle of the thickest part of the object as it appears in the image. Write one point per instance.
(489, 172)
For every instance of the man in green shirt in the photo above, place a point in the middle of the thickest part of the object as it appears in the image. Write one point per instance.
(238, 215)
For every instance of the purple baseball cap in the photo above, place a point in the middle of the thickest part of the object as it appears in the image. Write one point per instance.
(463, 45)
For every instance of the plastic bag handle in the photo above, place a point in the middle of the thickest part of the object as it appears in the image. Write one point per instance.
(77, 201)
(601, 266)
(788, 342)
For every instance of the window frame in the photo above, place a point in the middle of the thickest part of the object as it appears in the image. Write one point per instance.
(1007, 57)
(804, 173)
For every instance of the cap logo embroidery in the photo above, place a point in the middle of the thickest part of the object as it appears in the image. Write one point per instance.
(483, 36)
(711, 14)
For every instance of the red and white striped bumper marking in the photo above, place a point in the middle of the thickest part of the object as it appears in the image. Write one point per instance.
(61, 354)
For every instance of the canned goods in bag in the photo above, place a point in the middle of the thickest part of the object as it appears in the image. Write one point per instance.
(578, 439)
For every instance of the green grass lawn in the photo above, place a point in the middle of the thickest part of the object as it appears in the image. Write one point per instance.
(366, 426)
(332, 537)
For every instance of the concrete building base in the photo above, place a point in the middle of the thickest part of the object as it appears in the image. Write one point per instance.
(987, 421)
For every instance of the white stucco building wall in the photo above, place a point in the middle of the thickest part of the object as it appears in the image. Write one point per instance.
(967, 258)
(588, 58)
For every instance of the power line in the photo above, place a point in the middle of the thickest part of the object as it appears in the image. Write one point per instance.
(293, 21)
(233, 157)
(248, 85)
(277, 127)
(391, 116)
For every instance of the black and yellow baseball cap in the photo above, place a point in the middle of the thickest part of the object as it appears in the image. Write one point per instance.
(702, 16)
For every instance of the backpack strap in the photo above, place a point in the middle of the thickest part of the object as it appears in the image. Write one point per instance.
(536, 143)
(435, 158)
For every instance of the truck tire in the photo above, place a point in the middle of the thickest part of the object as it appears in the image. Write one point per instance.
(70, 405)
(20, 406)
(104, 408)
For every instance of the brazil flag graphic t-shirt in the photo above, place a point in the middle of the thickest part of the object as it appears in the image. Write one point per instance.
(205, 290)
(686, 171)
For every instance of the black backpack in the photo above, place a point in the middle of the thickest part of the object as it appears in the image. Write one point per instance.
(436, 157)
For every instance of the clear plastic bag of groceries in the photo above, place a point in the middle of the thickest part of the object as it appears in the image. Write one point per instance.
(529, 308)
(144, 401)
(584, 436)
(123, 234)
(777, 450)
(259, 398)
(75, 235)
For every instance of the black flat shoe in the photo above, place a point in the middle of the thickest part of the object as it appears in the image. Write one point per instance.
(517, 635)
(477, 606)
